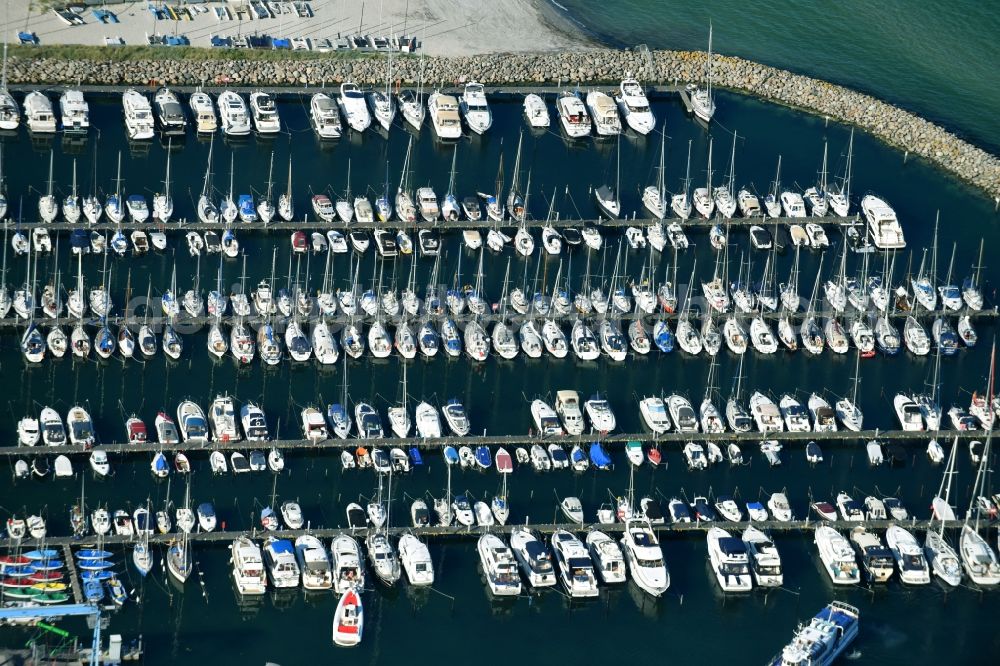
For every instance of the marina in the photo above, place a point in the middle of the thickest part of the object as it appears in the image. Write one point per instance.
(119, 478)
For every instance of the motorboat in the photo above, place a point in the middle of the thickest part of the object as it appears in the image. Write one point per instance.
(824, 639)
(535, 111)
(606, 556)
(80, 426)
(729, 560)
(823, 416)
(499, 566)
(416, 561)
(443, 110)
(138, 115)
(792, 204)
(908, 412)
(203, 111)
(694, 455)
(313, 425)
(264, 112)
(222, 420)
(837, 555)
(348, 619)
(473, 106)
(455, 416)
(654, 414)
(546, 420)
(192, 423)
(573, 115)
(604, 113)
(576, 569)
(765, 413)
(75, 112)
(313, 563)
(599, 413)
(682, 414)
(324, 116)
(280, 562)
(634, 106)
(764, 559)
(347, 567)
(233, 114)
(884, 227)
(876, 560)
(909, 556)
(169, 112)
(248, 567)
(352, 105)
(778, 505)
(850, 509)
(533, 557)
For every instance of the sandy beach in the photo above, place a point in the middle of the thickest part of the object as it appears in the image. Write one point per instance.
(442, 27)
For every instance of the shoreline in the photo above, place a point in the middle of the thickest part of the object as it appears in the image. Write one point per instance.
(891, 124)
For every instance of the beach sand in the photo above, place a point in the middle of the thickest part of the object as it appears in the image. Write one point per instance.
(442, 27)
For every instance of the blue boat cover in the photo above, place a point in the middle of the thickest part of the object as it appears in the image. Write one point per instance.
(598, 457)
(92, 554)
(79, 239)
(282, 546)
(483, 456)
(46, 554)
(450, 454)
(415, 457)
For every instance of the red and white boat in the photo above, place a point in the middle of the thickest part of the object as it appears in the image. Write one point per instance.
(504, 463)
(136, 430)
(348, 620)
(654, 456)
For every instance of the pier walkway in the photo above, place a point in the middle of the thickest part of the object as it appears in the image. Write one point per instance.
(438, 444)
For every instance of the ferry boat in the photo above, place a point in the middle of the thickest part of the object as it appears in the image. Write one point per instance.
(824, 639)
(138, 115)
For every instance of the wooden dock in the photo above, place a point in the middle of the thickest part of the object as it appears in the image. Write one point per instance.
(74, 577)
(613, 441)
(460, 533)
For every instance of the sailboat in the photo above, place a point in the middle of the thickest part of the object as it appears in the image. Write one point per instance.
(839, 196)
(411, 104)
(399, 415)
(207, 211)
(725, 202)
(10, 116)
(163, 205)
(405, 210)
(285, 206)
(608, 201)
(114, 208)
(450, 209)
(703, 201)
(179, 562)
(978, 559)
(265, 209)
(48, 207)
(382, 103)
(515, 202)
(71, 204)
(940, 555)
(772, 202)
(681, 203)
(816, 195)
(702, 102)
(654, 197)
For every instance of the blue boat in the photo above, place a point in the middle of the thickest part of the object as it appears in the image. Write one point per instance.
(824, 639)
(79, 240)
(93, 590)
(45, 554)
(92, 554)
(450, 455)
(246, 208)
(46, 565)
(483, 457)
(19, 571)
(161, 467)
(96, 575)
(663, 337)
(94, 565)
(415, 457)
(598, 457)
(577, 456)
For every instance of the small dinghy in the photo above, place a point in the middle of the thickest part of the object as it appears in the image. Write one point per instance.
(217, 461)
(572, 509)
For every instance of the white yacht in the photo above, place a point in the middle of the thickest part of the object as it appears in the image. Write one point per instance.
(75, 112)
(886, 232)
(792, 204)
(443, 111)
(138, 115)
(191, 422)
(654, 414)
(248, 567)
(233, 114)
(352, 105)
(644, 557)
(599, 413)
(535, 111)
(607, 557)
(765, 562)
(978, 559)
(545, 418)
(324, 117)
(568, 409)
(382, 557)
(634, 106)
(576, 570)
(837, 556)
(205, 120)
(474, 107)
(313, 562)
(728, 556)
(416, 559)
(10, 115)
(264, 112)
(80, 426)
(534, 558)
(38, 113)
(282, 568)
(824, 639)
(573, 115)
(499, 566)
(348, 570)
(910, 560)
(765, 413)
(604, 113)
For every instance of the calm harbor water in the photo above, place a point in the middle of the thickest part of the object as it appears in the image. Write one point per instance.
(211, 623)
(930, 59)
